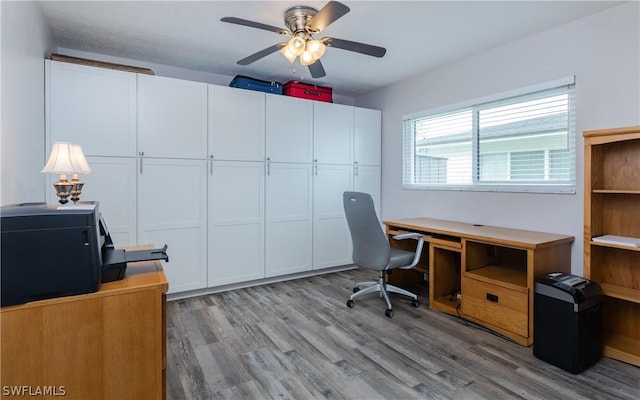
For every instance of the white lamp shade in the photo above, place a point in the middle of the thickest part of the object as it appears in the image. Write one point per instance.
(59, 160)
(316, 48)
(296, 45)
(306, 58)
(79, 160)
(287, 54)
(66, 158)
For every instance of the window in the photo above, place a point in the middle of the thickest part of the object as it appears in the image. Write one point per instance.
(522, 141)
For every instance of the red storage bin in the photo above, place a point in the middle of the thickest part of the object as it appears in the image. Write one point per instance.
(307, 91)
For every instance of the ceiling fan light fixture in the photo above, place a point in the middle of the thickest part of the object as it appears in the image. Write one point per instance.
(307, 58)
(287, 54)
(316, 48)
(296, 45)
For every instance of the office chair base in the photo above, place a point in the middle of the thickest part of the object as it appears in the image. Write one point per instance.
(384, 289)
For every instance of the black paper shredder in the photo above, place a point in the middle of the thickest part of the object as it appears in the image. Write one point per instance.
(567, 321)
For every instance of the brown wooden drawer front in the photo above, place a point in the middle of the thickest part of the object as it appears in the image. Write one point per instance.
(496, 305)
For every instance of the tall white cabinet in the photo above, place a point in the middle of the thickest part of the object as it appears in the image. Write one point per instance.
(145, 138)
(241, 185)
(367, 154)
(289, 186)
(333, 174)
(236, 185)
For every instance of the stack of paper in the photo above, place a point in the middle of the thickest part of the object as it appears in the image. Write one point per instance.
(619, 240)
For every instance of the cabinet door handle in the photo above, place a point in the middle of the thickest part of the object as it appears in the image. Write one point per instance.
(141, 165)
(492, 297)
(141, 153)
(268, 166)
(355, 168)
(315, 167)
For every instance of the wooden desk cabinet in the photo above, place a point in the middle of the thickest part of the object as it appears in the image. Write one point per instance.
(484, 274)
(110, 344)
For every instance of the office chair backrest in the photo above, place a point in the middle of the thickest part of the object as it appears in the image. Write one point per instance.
(370, 246)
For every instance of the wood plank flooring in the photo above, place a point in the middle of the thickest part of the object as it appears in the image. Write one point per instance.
(298, 340)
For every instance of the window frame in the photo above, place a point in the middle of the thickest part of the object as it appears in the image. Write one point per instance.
(539, 186)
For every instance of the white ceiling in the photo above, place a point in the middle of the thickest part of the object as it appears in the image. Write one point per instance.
(418, 35)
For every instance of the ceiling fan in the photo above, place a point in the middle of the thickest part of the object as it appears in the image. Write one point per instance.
(303, 22)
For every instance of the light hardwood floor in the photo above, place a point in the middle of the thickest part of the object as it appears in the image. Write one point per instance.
(298, 340)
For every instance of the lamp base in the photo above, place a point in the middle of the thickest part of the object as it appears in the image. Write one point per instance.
(63, 190)
(76, 188)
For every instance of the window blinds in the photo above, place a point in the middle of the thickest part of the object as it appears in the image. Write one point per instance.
(523, 142)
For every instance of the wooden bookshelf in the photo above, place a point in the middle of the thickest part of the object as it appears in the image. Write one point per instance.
(612, 201)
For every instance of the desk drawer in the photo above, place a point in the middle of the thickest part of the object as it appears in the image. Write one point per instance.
(496, 305)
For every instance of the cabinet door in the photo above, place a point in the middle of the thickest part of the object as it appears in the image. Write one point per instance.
(288, 218)
(94, 107)
(289, 129)
(331, 237)
(367, 180)
(332, 133)
(236, 124)
(236, 222)
(172, 209)
(112, 184)
(368, 136)
(172, 117)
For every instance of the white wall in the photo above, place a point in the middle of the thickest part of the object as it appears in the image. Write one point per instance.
(25, 42)
(602, 51)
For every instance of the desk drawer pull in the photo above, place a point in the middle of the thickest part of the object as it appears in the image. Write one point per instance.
(492, 297)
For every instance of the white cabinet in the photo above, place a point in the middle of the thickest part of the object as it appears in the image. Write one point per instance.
(331, 238)
(288, 213)
(172, 209)
(367, 180)
(93, 107)
(236, 222)
(367, 136)
(289, 129)
(236, 124)
(225, 177)
(113, 184)
(332, 133)
(172, 117)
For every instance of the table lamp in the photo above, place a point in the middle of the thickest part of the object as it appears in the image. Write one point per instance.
(64, 159)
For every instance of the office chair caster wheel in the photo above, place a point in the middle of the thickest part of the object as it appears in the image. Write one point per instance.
(351, 303)
(389, 313)
(356, 289)
(415, 303)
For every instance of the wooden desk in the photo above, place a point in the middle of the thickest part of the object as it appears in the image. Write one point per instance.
(110, 344)
(482, 273)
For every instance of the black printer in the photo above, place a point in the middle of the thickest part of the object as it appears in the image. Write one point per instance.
(53, 251)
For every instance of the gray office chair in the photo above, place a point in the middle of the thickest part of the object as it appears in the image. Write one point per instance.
(371, 250)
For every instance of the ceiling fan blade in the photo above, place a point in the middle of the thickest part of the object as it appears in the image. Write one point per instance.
(262, 53)
(358, 47)
(253, 24)
(317, 70)
(331, 12)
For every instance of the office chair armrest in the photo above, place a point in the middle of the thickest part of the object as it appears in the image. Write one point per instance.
(408, 235)
(418, 252)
